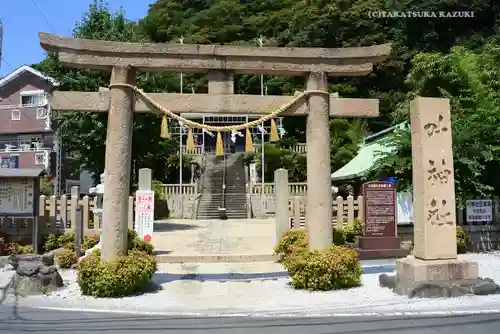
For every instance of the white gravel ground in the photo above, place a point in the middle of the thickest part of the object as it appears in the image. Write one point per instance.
(273, 297)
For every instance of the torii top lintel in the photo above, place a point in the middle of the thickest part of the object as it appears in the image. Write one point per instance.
(103, 55)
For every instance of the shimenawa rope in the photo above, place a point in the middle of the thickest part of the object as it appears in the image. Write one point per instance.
(191, 124)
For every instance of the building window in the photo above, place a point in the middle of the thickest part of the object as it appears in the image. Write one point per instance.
(39, 158)
(32, 98)
(27, 143)
(15, 115)
(41, 113)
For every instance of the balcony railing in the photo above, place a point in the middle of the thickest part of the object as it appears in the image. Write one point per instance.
(14, 149)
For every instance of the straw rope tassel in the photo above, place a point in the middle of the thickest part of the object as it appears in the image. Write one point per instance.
(273, 135)
(248, 141)
(219, 148)
(190, 141)
(164, 128)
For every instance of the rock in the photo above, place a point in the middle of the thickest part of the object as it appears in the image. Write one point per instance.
(387, 281)
(34, 275)
(8, 267)
(439, 289)
(29, 268)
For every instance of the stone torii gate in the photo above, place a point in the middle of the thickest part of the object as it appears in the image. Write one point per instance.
(221, 62)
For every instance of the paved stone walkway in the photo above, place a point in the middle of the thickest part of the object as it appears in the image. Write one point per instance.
(235, 240)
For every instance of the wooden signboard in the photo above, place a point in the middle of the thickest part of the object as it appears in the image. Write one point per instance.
(17, 197)
(380, 209)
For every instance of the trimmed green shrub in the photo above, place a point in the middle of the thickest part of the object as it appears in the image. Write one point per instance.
(124, 276)
(334, 268)
(91, 241)
(462, 240)
(291, 241)
(134, 242)
(65, 258)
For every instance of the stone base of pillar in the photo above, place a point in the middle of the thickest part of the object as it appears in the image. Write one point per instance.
(438, 278)
(380, 248)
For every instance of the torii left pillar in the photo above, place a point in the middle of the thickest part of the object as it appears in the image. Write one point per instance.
(118, 164)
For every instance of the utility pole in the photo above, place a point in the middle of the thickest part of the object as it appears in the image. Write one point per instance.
(181, 129)
(262, 164)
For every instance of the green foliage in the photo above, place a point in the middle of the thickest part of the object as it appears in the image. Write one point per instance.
(290, 242)
(85, 133)
(334, 268)
(50, 243)
(136, 243)
(65, 258)
(46, 186)
(276, 157)
(91, 241)
(124, 276)
(462, 240)
(161, 204)
(470, 80)
(348, 233)
(67, 240)
(15, 248)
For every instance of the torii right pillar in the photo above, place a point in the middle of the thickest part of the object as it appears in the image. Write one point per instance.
(434, 270)
(319, 196)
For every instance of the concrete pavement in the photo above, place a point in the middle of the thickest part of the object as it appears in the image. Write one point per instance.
(234, 240)
(27, 320)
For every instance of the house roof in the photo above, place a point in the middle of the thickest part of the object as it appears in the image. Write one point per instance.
(23, 69)
(362, 162)
(369, 152)
(21, 172)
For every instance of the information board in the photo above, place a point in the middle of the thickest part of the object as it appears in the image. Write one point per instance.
(379, 209)
(479, 210)
(17, 197)
(144, 213)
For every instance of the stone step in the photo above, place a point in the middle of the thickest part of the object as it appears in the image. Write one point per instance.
(230, 214)
(214, 258)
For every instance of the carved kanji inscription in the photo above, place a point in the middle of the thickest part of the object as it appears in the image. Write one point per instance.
(438, 172)
(438, 214)
(435, 128)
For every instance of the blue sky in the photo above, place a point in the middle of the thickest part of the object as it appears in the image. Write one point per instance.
(22, 22)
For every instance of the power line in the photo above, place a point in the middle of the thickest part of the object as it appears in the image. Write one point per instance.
(43, 15)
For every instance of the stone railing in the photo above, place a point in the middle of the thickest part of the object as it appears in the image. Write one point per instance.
(298, 148)
(181, 199)
(198, 150)
(177, 189)
(294, 188)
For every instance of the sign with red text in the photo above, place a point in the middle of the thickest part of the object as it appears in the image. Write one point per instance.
(144, 213)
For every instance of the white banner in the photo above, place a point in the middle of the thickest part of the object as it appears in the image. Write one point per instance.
(144, 213)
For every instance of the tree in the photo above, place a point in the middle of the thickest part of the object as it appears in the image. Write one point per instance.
(471, 80)
(85, 133)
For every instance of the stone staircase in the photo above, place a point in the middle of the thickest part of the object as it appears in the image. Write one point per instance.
(212, 195)
(235, 194)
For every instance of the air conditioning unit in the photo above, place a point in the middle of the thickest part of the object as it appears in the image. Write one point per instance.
(25, 147)
(41, 159)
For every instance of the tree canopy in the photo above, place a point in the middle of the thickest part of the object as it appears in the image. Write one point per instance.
(449, 57)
